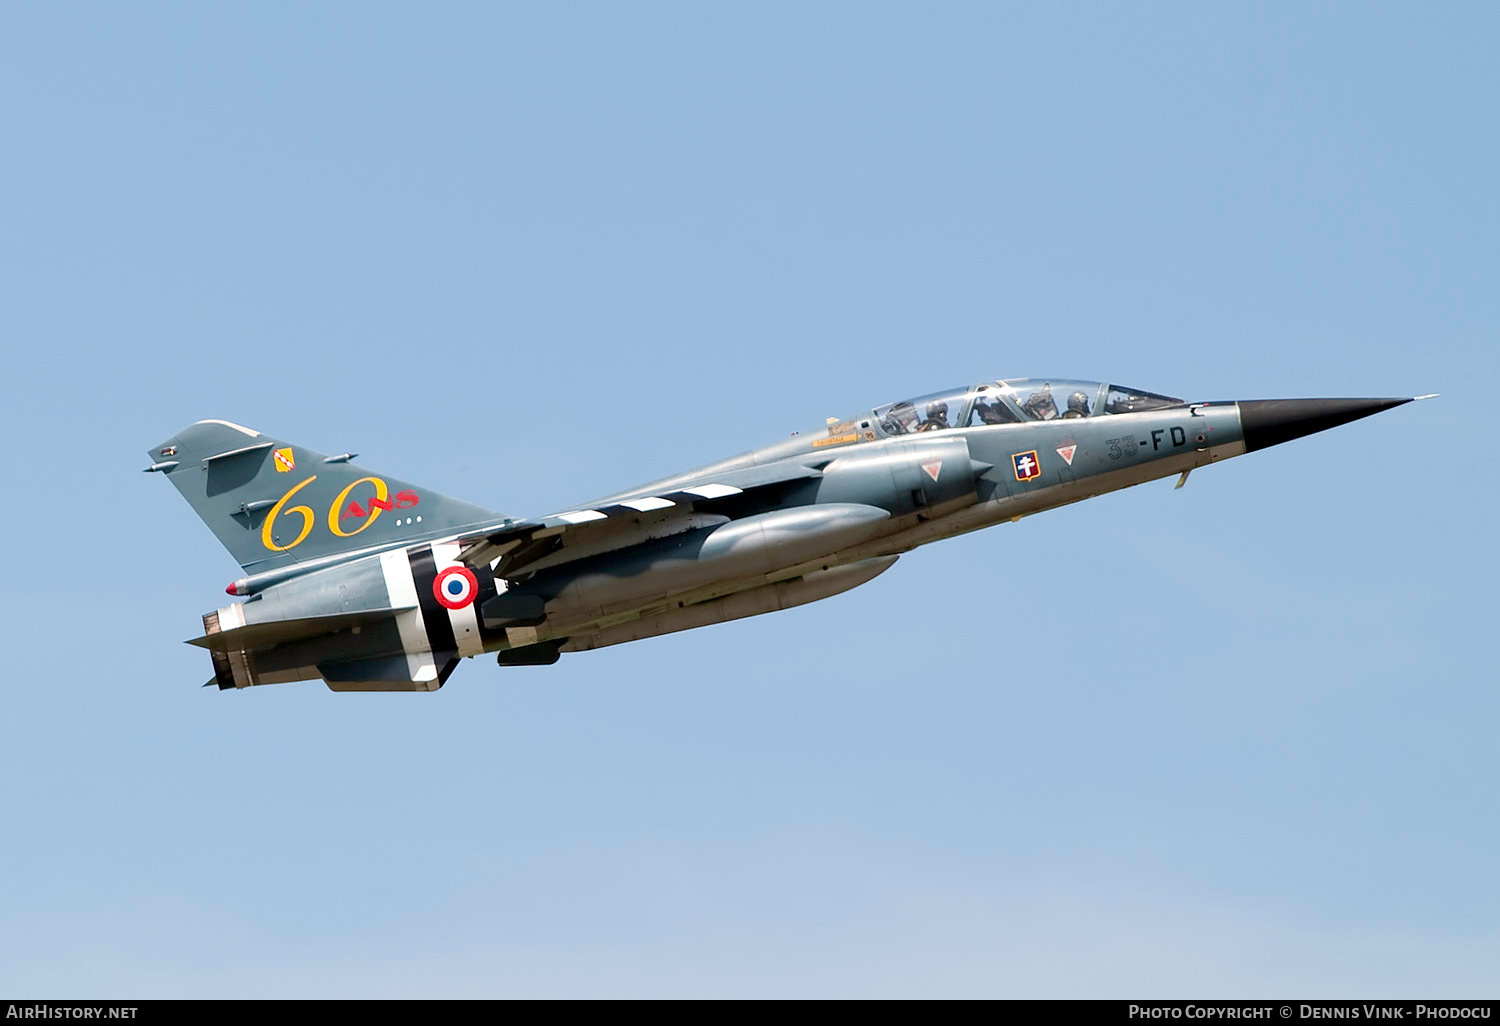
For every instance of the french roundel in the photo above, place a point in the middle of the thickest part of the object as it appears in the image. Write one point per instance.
(455, 587)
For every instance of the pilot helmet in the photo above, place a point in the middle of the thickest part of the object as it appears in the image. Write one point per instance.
(938, 410)
(1079, 403)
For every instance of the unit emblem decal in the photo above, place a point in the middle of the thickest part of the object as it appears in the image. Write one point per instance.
(284, 460)
(1026, 465)
(455, 587)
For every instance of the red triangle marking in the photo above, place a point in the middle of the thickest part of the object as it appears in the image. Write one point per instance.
(933, 468)
(1066, 452)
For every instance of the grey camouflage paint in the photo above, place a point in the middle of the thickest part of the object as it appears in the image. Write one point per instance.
(375, 584)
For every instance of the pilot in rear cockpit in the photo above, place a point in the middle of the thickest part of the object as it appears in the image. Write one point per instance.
(1041, 405)
(992, 411)
(902, 421)
(937, 417)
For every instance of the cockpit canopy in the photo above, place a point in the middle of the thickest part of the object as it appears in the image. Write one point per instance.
(1015, 401)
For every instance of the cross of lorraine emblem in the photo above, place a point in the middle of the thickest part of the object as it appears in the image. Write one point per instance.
(1026, 465)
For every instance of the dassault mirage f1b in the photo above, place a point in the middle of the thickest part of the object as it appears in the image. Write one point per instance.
(375, 584)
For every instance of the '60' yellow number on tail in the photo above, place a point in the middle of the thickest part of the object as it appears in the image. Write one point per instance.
(343, 508)
(378, 503)
(303, 511)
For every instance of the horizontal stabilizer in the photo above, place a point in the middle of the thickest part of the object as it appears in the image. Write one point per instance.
(274, 632)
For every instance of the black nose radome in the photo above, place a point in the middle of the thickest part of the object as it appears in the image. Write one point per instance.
(1269, 422)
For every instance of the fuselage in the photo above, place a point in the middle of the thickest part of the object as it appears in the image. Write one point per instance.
(799, 520)
(940, 483)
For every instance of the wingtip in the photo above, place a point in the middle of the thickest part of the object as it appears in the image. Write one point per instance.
(1429, 395)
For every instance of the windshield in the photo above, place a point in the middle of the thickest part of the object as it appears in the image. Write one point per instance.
(1133, 400)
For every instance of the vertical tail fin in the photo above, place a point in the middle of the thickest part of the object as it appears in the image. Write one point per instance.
(272, 503)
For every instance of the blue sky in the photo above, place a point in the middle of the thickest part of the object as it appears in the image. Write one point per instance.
(1234, 739)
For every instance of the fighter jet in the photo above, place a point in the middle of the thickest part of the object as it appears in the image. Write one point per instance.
(370, 583)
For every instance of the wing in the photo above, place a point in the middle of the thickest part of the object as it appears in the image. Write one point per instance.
(531, 545)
